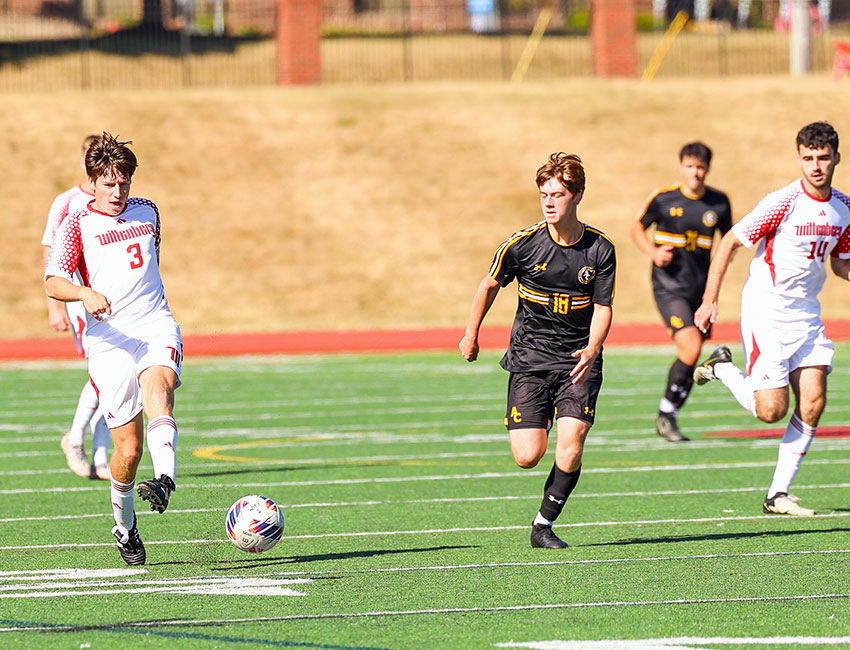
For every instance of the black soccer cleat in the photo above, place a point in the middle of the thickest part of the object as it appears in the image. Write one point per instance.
(666, 426)
(543, 537)
(704, 372)
(157, 491)
(130, 545)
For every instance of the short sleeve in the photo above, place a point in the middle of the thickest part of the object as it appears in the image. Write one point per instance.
(66, 249)
(606, 271)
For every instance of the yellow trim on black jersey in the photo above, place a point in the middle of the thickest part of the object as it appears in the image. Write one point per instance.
(500, 253)
(600, 233)
(655, 192)
(679, 241)
(531, 295)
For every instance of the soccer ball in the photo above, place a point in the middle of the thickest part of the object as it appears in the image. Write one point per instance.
(254, 524)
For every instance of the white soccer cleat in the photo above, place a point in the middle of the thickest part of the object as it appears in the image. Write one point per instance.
(785, 504)
(76, 457)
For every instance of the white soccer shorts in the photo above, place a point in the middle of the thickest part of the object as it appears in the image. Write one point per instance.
(773, 350)
(115, 372)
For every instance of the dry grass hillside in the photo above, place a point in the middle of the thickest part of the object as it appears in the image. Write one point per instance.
(380, 207)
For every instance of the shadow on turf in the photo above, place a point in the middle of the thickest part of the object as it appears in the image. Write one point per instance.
(719, 536)
(253, 563)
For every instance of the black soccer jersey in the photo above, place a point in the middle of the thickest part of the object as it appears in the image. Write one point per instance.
(689, 225)
(557, 286)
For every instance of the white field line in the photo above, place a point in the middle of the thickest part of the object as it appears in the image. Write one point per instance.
(357, 504)
(441, 611)
(675, 643)
(826, 445)
(448, 477)
(444, 531)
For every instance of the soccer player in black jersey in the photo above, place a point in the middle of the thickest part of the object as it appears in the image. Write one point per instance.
(565, 280)
(686, 217)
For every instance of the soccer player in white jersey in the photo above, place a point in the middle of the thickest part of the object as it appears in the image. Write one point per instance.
(133, 342)
(796, 230)
(72, 316)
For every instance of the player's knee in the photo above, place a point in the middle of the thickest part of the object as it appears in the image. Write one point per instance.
(527, 457)
(771, 413)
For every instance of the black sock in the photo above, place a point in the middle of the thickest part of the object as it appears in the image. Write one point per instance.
(680, 379)
(559, 485)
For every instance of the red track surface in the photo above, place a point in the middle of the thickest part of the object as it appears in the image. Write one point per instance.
(363, 341)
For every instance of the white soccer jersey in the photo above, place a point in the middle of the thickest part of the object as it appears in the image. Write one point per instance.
(795, 233)
(117, 256)
(70, 201)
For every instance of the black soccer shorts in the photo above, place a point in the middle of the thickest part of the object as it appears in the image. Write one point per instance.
(678, 312)
(535, 399)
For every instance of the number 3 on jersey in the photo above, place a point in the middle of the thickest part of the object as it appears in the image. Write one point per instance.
(137, 260)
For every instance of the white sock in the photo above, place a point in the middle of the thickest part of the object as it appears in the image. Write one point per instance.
(795, 443)
(100, 441)
(540, 520)
(162, 444)
(738, 383)
(122, 504)
(86, 406)
(666, 406)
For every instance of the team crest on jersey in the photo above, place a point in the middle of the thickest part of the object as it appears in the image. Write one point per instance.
(586, 274)
(709, 218)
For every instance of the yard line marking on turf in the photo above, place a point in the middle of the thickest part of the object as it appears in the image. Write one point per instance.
(354, 504)
(449, 477)
(433, 531)
(69, 574)
(426, 612)
(673, 643)
(213, 586)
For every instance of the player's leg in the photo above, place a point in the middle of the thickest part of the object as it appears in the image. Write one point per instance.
(128, 446)
(159, 376)
(812, 363)
(575, 408)
(72, 442)
(561, 481)
(114, 376)
(680, 380)
(158, 384)
(100, 448)
(678, 317)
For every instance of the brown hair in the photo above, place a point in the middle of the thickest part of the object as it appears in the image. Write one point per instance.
(107, 156)
(566, 168)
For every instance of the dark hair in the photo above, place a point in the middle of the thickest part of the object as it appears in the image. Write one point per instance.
(696, 150)
(107, 156)
(817, 135)
(566, 168)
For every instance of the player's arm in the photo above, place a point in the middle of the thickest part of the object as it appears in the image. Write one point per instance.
(707, 311)
(660, 255)
(840, 267)
(56, 314)
(600, 325)
(64, 290)
(486, 293)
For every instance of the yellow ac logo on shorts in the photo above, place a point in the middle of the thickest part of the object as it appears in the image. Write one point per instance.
(677, 322)
(516, 416)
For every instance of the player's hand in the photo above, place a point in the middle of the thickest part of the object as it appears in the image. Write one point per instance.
(96, 304)
(662, 255)
(585, 357)
(705, 315)
(57, 316)
(468, 347)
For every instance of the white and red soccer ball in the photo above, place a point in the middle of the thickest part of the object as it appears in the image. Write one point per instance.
(254, 524)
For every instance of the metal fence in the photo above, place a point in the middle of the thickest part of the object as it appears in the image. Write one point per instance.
(69, 44)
